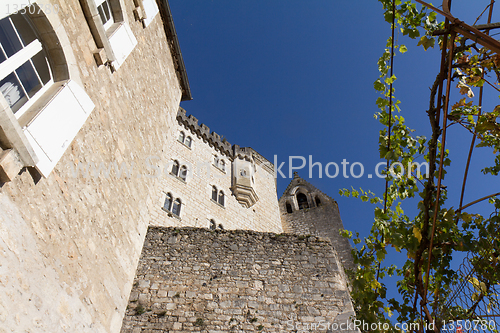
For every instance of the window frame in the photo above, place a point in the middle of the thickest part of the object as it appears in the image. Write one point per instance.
(177, 211)
(27, 132)
(183, 172)
(221, 198)
(114, 42)
(175, 168)
(214, 193)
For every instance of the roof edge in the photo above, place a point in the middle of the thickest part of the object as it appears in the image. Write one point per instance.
(168, 24)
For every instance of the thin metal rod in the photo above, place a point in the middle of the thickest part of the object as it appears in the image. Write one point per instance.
(478, 200)
(473, 142)
(465, 29)
(390, 99)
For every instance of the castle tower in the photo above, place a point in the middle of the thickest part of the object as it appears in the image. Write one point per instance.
(305, 210)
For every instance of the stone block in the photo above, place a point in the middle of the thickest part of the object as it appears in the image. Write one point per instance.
(10, 165)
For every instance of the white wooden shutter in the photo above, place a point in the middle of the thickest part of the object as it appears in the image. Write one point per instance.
(122, 42)
(55, 127)
(151, 10)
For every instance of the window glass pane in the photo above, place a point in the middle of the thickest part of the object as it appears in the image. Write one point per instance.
(183, 173)
(177, 208)
(101, 14)
(42, 67)
(23, 28)
(29, 80)
(188, 141)
(107, 10)
(214, 193)
(175, 168)
(221, 198)
(181, 136)
(8, 37)
(168, 202)
(12, 91)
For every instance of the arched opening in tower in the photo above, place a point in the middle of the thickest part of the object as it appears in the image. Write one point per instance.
(302, 201)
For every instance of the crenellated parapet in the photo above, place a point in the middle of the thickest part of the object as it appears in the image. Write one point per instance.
(203, 131)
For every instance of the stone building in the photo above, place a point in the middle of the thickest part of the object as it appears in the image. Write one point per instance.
(84, 84)
(218, 184)
(94, 150)
(305, 210)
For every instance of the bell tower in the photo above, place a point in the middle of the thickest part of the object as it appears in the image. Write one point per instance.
(305, 210)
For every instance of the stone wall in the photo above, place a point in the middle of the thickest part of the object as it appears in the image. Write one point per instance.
(195, 192)
(69, 244)
(192, 279)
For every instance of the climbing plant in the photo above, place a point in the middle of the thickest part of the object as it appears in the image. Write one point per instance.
(429, 240)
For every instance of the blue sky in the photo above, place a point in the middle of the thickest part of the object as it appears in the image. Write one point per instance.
(295, 78)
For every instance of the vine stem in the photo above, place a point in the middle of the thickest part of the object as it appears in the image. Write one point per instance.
(390, 115)
(441, 161)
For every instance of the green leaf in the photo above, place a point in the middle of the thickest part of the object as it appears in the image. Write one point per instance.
(426, 42)
(403, 49)
(378, 85)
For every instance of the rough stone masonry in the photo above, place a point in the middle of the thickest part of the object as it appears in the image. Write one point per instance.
(198, 280)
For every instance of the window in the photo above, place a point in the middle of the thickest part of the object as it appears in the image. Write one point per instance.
(183, 172)
(110, 30)
(221, 198)
(318, 202)
(145, 11)
(186, 140)
(175, 168)
(214, 193)
(221, 227)
(38, 83)
(104, 9)
(176, 209)
(168, 202)
(24, 69)
(289, 208)
(182, 137)
(172, 206)
(302, 201)
(219, 163)
(213, 225)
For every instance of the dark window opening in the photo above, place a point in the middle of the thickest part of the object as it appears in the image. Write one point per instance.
(176, 209)
(183, 173)
(289, 208)
(302, 201)
(168, 202)
(221, 198)
(318, 202)
(175, 168)
(213, 225)
(214, 193)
